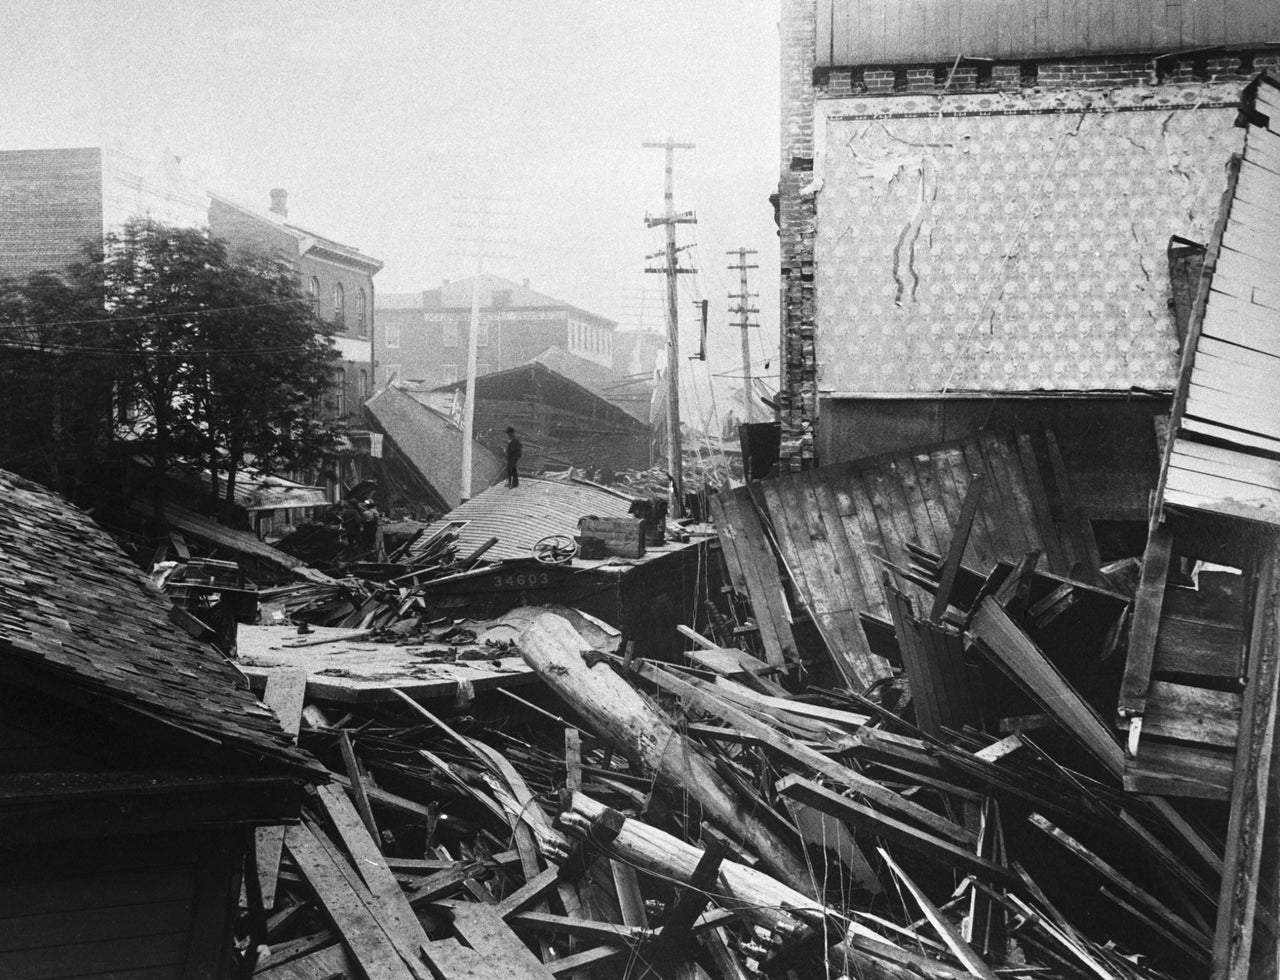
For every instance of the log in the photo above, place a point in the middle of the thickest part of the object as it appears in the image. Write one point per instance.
(632, 725)
(762, 896)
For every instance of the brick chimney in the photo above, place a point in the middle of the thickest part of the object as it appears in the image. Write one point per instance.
(280, 201)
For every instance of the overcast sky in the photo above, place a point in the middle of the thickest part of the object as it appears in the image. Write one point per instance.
(376, 116)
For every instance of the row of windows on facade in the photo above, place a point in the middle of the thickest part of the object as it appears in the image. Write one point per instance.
(582, 336)
(340, 306)
(340, 389)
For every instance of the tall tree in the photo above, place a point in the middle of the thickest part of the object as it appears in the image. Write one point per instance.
(219, 353)
(55, 378)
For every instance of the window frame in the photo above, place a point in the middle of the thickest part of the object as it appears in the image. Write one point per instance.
(339, 306)
(362, 314)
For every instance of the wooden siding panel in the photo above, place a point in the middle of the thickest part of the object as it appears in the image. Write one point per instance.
(910, 31)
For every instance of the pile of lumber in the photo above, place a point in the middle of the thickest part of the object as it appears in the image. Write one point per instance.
(697, 819)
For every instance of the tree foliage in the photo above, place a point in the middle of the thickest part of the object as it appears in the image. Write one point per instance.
(210, 356)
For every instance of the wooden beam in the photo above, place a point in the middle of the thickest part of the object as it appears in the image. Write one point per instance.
(955, 942)
(1004, 642)
(1238, 898)
(369, 943)
(1147, 605)
(284, 694)
(955, 551)
(867, 822)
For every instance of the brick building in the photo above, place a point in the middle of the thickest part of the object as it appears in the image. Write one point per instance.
(337, 278)
(53, 203)
(425, 335)
(977, 203)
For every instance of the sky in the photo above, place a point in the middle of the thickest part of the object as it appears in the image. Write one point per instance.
(386, 122)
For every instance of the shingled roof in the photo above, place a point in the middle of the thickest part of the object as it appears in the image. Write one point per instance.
(71, 603)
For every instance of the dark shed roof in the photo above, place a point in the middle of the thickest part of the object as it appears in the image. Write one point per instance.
(73, 605)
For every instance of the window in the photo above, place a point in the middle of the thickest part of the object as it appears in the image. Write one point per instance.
(340, 393)
(391, 332)
(362, 326)
(363, 386)
(451, 333)
(339, 306)
(482, 333)
(391, 373)
(449, 373)
(313, 292)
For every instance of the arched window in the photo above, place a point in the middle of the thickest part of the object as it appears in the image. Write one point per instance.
(340, 392)
(339, 306)
(361, 322)
(313, 290)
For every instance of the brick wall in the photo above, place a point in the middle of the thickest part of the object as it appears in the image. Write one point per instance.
(797, 218)
(797, 205)
(50, 208)
(1091, 72)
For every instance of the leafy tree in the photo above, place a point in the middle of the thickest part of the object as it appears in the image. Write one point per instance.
(220, 354)
(55, 378)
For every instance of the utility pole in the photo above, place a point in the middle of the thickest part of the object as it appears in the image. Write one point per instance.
(743, 310)
(480, 234)
(671, 269)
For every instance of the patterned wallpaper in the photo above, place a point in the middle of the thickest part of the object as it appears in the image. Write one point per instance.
(1005, 242)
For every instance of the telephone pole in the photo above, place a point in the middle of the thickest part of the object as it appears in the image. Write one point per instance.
(671, 269)
(480, 237)
(744, 309)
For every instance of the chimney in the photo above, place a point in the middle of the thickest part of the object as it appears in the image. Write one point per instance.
(280, 201)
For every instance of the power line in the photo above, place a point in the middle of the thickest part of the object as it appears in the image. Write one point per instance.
(152, 316)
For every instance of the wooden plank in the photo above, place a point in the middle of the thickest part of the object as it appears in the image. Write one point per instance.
(1228, 463)
(1171, 769)
(285, 694)
(1238, 898)
(920, 678)
(954, 476)
(1192, 714)
(1187, 645)
(998, 636)
(453, 961)
(1143, 897)
(389, 901)
(904, 469)
(1077, 524)
(877, 795)
(956, 548)
(863, 531)
(1020, 517)
(1244, 440)
(1146, 624)
(926, 479)
(1227, 496)
(760, 568)
(865, 821)
(357, 783)
(955, 942)
(480, 927)
(364, 936)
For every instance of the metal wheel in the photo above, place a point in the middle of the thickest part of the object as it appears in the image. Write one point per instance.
(555, 549)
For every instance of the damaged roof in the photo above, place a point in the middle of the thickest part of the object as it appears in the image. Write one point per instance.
(72, 605)
(1223, 457)
(520, 517)
(431, 443)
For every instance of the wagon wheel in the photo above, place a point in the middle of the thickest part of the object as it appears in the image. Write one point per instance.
(555, 549)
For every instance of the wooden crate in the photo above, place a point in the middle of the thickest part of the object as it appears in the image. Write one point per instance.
(622, 536)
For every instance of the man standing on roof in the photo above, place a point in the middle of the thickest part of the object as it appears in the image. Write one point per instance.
(513, 458)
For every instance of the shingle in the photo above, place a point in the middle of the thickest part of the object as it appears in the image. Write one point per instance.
(99, 625)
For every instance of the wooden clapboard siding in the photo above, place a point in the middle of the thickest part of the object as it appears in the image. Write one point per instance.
(1229, 413)
(834, 523)
(99, 907)
(863, 32)
(1192, 714)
